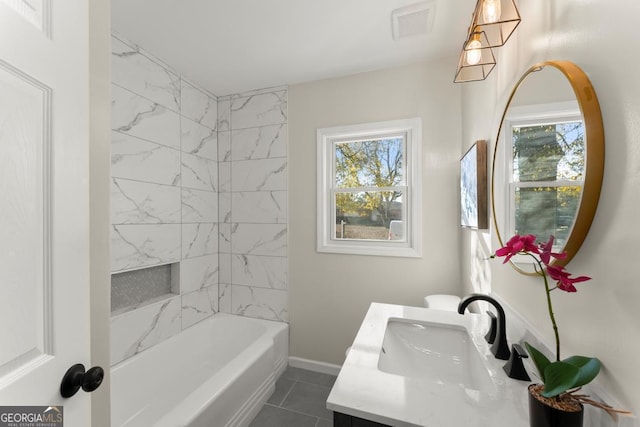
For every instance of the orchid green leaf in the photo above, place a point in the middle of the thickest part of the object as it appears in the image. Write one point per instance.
(559, 377)
(539, 359)
(588, 368)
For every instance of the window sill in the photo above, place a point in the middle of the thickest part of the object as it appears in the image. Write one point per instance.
(370, 249)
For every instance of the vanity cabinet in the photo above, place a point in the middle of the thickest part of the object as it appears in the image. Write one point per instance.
(343, 420)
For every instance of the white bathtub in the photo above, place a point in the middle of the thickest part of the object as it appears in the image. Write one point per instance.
(217, 373)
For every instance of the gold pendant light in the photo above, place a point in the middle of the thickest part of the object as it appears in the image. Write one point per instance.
(476, 59)
(492, 22)
(497, 18)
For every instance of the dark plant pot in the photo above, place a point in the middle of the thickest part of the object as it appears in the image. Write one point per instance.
(543, 415)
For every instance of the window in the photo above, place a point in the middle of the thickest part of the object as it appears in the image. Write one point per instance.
(368, 189)
(545, 165)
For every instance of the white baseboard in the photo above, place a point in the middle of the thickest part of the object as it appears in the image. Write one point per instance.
(314, 365)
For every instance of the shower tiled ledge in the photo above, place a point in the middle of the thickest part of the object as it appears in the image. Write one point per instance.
(519, 330)
(152, 301)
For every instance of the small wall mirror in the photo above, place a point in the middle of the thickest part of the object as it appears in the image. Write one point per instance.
(548, 159)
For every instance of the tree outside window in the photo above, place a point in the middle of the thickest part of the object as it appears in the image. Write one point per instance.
(548, 174)
(369, 187)
(369, 202)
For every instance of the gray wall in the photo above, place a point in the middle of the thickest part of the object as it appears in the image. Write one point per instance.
(330, 293)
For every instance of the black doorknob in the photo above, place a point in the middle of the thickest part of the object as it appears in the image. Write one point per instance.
(76, 378)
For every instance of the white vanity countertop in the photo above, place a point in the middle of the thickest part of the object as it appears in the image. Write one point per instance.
(364, 391)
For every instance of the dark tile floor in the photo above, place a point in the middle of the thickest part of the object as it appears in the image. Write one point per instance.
(300, 400)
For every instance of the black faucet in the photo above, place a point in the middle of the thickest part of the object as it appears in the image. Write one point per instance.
(499, 348)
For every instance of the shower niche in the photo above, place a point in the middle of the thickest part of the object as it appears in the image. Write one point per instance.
(133, 289)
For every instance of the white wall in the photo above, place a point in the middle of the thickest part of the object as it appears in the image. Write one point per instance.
(602, 319)
(329, 293)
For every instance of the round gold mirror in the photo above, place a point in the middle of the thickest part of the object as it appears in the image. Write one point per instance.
(548, 160)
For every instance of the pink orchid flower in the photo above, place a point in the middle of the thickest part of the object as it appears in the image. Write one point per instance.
(541, 257)
(546, 254)
(518, 244)
(561, 276)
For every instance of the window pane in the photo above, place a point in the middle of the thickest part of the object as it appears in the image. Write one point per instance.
(544, 211)
(370, 215)
(370, 163)
(548, 152)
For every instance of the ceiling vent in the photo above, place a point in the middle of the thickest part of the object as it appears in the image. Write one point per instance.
(413, 20)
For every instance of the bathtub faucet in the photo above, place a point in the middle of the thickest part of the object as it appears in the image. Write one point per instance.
(499, 348)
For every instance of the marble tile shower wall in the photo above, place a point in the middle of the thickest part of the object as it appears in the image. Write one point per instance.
(164, 192)
(253, 146)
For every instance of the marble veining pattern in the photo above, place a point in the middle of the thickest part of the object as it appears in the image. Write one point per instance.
(259, 239)
(224, 177)
(199, 239)
(199, 305)
(253, 211)
(262, 303)
(134, 69)
(259, 110)
(135, 202)
(224, 207)
(224, 146)
(139, 245)
(224, 298)
(199, 140)
(259, 175)
(164, 200)
(254, 92)
(266, 207)
(260, 142)
(224, 260)
(201, 181)
(259, 271)
(199, 206)
(224, 114)
(199, 173)
(198, 273)
(224, 236)
(135, 331)
(198, 105)
(137, 159)
(138, 116)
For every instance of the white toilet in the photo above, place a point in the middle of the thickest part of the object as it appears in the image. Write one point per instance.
(442, 302)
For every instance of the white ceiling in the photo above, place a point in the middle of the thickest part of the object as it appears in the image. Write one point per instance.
(232, 46)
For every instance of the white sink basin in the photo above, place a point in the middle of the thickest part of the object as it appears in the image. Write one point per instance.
(416, 367)
(436, 352)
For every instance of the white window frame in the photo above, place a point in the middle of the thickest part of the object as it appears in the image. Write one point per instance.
(559, 112)
(411, 245)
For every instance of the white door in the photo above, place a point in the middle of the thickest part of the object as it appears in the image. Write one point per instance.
(44, 202)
